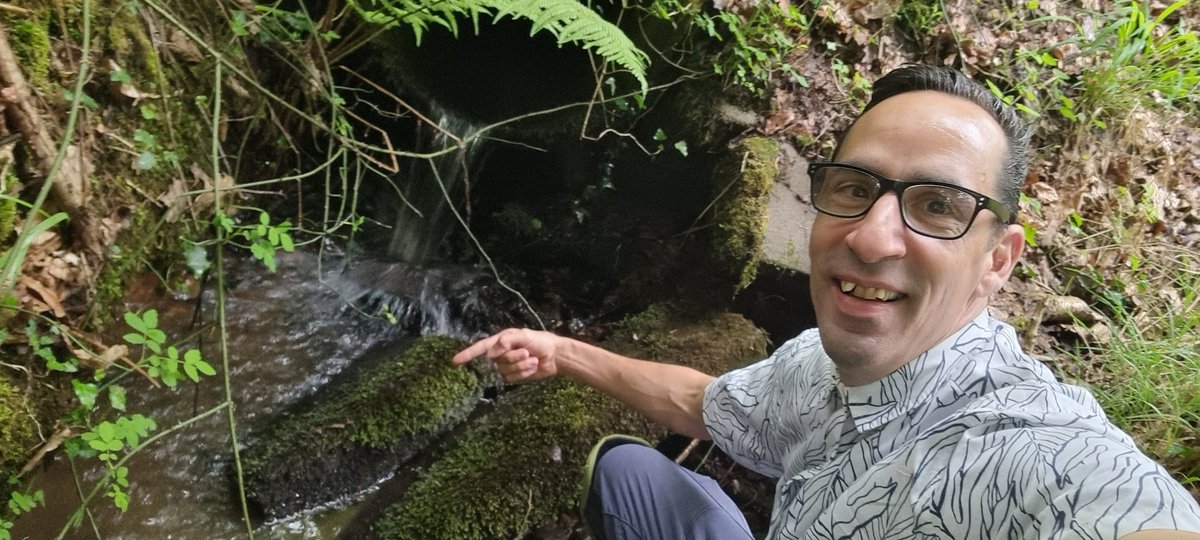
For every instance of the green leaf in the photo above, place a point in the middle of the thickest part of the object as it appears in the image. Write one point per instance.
(86, 392)
(660, 135)
(682, 147)
(197, 259)
(135, 321)
(146, 161)
(150, 317)
(116, 397)
(135, 339)
(147, 112)
(119, 75)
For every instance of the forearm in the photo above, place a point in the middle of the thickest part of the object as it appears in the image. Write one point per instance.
(668, 394)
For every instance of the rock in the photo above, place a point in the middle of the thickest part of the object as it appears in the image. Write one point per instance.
(789, 214)
(360, 430)
(519, 466)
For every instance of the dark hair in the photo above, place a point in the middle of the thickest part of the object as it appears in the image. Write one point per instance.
(949, 81)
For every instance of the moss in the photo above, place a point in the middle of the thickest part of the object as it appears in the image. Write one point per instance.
(741, 213)
(8, 212)
(16, 429)
(520, 466)
(403, 396)
(33, 37)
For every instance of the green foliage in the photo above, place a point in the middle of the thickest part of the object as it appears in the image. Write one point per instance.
(19, 502)
(569, 21)
(262, 239)
(1152, 389)
(109, 441)
(1133, 59)
(758, 40)
(919, 17)
(1149, 61)
(164, 364)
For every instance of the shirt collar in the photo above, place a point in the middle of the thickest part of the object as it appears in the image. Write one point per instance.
(877, 403)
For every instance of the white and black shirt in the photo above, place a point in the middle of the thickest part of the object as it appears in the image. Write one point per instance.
(972, 439)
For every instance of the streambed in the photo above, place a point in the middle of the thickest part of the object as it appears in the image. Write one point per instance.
(289, 333)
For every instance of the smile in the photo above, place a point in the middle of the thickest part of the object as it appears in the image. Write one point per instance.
(867, 293)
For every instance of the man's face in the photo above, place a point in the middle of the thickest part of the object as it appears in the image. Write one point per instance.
(931, 287)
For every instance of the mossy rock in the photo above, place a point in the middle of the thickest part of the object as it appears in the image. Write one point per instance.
(744, 183)
(16, 429)
(359, 430)
(520, 465)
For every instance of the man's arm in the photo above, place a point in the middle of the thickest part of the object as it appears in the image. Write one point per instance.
(668, 394)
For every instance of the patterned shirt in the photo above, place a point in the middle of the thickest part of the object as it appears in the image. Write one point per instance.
(972, 439)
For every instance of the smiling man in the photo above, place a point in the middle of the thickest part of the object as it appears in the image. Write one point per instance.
(909, 412)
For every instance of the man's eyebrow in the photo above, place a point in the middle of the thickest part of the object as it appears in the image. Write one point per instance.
(920, 177)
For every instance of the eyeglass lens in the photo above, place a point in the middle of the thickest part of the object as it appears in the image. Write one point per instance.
(934, 210)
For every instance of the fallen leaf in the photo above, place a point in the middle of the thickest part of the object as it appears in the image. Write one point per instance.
(47, 295)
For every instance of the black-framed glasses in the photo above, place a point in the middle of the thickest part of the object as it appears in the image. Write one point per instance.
(934, 209)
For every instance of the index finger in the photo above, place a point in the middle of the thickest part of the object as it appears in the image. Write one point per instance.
(476, 349)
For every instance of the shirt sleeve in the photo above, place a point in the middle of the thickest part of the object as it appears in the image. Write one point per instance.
(743, 409)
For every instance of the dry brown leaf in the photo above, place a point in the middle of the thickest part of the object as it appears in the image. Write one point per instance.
(48, 296)
(174, 200)
(102, 360)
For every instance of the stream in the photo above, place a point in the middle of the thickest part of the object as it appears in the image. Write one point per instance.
(288, 334)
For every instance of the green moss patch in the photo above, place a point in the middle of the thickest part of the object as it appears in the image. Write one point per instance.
(744, 183)
(16, 429)
(520, 465)
(359, 430)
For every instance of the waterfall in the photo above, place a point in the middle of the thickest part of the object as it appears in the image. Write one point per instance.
(422, 225)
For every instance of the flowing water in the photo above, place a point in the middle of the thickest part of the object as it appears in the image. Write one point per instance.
(289, 333)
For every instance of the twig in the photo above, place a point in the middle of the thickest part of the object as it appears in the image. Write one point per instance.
(220, 264)
(479, 246)
(687, 451)
(52, 443)
(14, 9)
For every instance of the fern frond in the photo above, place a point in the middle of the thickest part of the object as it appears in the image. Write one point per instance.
(572, 22)
(567, 20)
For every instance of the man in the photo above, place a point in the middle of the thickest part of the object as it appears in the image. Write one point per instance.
(909, 412)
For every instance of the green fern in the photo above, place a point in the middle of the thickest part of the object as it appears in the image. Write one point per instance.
(568, 20)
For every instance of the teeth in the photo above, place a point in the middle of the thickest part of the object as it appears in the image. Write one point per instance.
(867, 293)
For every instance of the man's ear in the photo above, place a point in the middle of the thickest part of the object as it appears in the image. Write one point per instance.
(1004, 254)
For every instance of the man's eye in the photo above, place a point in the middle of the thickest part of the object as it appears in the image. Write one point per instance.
(937, 207)
(853, 190)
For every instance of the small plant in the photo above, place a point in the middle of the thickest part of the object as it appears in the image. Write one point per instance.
(759, 40)
(262, 239)
(1147, 60)
(19, 502)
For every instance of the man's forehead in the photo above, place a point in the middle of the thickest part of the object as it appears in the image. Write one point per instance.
(928, 135)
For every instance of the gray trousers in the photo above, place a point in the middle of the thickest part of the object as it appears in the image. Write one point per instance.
(637, 493)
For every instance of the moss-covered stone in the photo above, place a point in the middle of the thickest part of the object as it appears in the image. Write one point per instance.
(520, 465)
(360, 430)
(16, 429)
(33, 35)
(741, 211)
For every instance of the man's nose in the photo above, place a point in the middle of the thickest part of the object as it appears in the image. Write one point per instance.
(879, 235)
